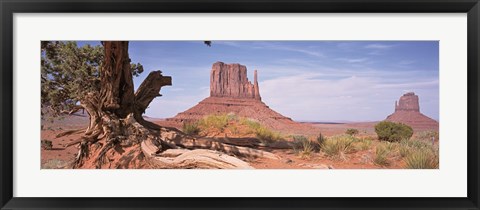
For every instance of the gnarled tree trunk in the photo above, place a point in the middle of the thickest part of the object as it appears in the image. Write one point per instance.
(119, 137)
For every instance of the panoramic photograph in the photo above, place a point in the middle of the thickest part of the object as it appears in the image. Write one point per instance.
(211, 104)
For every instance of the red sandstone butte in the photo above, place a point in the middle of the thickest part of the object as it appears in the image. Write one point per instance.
(231, 92)
(407, 111)
(230, 80)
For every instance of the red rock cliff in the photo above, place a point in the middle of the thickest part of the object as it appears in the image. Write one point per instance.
(407, 111)
(230, 80)
(408, 102)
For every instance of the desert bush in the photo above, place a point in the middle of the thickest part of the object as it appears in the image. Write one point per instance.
(266, 135)
(233, 129)
(232, 117)
(427, 136)
(46, 144)
(352, 131)
(421, 159)
(251, 124)
(303, 146)
(416, 144)
(364, 144)
(381, 155)
(320, 140)
(218, 122)
(391, 146)
(190, 128)
(338, 145)
(393, 132)
(263, 133)
(404, 150)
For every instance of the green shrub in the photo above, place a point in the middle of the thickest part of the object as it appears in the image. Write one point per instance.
(251, 124)
(393, 132)
(421, 159)
(338, 145)
(218, 122)
(416, 144)
(352, 131)
(364, 144)
(404, 150)
(190, 128)
(303, 146)
(381, 155)
(320, 140)
(427, 136)
(391, 146)
(46, 144)
(266, 135)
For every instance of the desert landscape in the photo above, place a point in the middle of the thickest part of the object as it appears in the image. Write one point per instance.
(102, 123)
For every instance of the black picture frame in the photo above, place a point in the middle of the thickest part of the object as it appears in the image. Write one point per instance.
(9, 7)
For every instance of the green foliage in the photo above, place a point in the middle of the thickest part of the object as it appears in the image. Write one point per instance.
(352, 131)
(266, 135)
(381, 155)
(46, 144)
(338, 145)
(303, 146)
(69, 72)
(222, 122)
(263, 133)
(416, 144)
(320, 141)
(419, 154)
(363, 144)
(191, 128)
(422, 159)
(427, 136)
(253, 125)
(404, 150)
(393, 132)
(218, 122)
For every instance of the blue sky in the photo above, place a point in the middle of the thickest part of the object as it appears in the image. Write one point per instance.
(304, 80)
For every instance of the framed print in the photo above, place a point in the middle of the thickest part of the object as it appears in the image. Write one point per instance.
(269, 104)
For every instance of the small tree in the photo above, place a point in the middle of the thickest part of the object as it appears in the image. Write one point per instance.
(69, 73)
(393, 132)
(118, 136)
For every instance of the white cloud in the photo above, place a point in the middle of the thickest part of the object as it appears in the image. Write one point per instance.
(275, 46)
(356, 98)
(379, 46)
(353, 60)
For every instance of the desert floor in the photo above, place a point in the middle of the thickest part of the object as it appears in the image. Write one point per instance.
(59, 156)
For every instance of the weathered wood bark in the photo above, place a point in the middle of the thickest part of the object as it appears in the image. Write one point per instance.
(119, 137)
(116, 81)
(147, 91)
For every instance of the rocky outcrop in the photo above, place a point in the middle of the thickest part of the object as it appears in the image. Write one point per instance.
(231, 92)
(407, 111)
(230, 80)
(408, 102)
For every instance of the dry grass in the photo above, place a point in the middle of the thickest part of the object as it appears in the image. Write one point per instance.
(338, 146)
(381, 155)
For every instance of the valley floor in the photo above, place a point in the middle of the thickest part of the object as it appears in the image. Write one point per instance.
(288, 158)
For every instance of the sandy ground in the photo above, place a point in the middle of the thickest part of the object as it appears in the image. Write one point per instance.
(59, 156)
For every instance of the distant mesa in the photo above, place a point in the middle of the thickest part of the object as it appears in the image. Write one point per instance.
(232, 92)
(407, 111)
